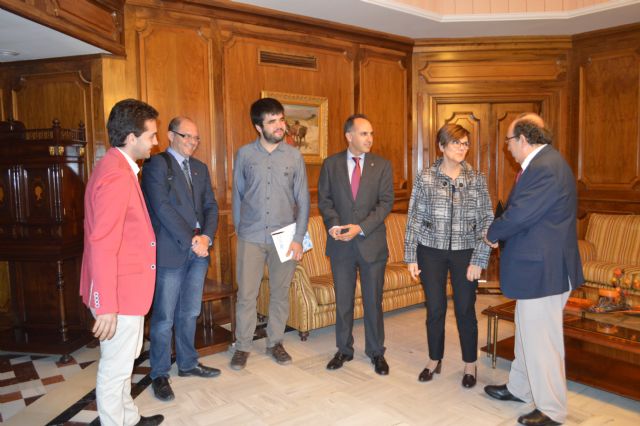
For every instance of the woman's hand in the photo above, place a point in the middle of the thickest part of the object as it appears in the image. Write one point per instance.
(473, 272)
(413, 270)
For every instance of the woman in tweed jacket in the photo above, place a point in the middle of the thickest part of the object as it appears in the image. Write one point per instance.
(449, 214)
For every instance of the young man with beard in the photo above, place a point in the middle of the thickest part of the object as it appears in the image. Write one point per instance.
(269, 192)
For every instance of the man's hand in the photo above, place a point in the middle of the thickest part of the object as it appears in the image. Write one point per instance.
(296, 249)
(335, 231)
(489, 243)
(413, 270)
(351, 232)
(105, 326)
(473, 272)
(200, 245)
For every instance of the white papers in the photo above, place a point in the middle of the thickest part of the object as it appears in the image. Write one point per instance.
(283, 237)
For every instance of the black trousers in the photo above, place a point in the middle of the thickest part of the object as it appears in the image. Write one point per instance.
(345, 270)
(434, 265)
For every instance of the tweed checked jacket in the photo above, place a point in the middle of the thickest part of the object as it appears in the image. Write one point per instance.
(449, 214)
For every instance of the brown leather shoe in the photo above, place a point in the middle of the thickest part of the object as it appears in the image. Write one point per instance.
(279, 354)
(426, 374)
(239, 360)
(337, 361)
(536, 418)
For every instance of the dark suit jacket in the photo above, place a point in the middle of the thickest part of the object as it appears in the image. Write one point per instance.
(539, 230)
(371, 207)
(171, 207)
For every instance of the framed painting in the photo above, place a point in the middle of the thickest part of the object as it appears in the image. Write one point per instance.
(307, 123)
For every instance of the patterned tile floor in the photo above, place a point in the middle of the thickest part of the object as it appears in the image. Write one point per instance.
(25, 378)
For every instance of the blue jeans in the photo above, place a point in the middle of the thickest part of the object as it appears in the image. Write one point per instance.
(176, 302)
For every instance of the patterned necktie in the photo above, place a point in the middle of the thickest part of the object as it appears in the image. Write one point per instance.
(518, 175)
(187, 173)
(355, 178)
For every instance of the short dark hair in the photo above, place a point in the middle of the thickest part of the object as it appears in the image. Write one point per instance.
(533, 133)
(128, 116)
(450, 132)
(264, 106)
(175, 123)
(348, 124)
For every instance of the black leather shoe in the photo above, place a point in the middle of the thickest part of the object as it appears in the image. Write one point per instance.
(426, 374)
(501, 392)
(337, 361)
(162, 389)
(380, 365)
(200, 371)
(469, 380)
(150, 421)
(536, 418)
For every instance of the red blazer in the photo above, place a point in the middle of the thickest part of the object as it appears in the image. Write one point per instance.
(118, 263)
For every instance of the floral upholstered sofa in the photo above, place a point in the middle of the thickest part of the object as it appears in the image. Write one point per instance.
(312, 300)
(611, 241)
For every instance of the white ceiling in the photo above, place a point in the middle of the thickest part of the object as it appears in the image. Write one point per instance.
(35, 41)
(399, 19)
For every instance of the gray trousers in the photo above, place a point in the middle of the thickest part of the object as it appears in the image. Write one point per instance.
(250, 261)
(537, 372)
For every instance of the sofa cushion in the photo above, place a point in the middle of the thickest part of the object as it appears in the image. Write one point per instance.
(616, 238)
(396, 224)
(314, 261)
(396, 277)
(322, 286)
(601, 272)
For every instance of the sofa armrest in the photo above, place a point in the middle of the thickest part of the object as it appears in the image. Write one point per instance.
(302, 301)
(587, 251)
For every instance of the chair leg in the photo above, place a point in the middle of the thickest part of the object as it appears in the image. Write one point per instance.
(303, 335)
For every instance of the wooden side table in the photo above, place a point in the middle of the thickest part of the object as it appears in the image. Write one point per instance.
(210, 337)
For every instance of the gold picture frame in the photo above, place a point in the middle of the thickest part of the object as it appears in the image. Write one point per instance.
(307, 123)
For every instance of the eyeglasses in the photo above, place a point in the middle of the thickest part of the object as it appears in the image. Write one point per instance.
(508, 138)
(187, 136)
(458, 144)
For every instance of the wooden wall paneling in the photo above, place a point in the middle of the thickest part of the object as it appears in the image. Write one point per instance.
(175, 76)
(609, 120)
(176, 70)
(245, 78)
(41, 97)
(383, 97)
(605, 121)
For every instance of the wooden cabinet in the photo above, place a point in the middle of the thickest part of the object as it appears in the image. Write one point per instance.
(42, 179)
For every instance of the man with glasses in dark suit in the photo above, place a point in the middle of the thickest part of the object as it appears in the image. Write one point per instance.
(184, 213)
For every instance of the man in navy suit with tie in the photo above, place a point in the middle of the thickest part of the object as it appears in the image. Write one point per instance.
(184, 214)
(539, 266)
(355, 195)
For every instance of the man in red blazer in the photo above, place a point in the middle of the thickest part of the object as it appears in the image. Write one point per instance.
(118, 264)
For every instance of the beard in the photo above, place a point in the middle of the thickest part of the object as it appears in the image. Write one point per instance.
(272, 138)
